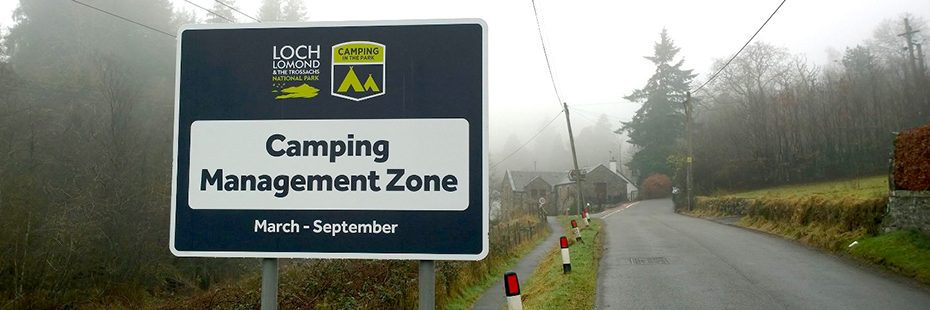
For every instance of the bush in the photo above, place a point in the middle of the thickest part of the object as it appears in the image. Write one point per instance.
(656, 186)
(370, 284)
(912, 159)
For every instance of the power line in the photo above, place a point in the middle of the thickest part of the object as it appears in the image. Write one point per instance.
(740, 49)
(123, 18)
(564, 106)
(237, 11)
(211, 12)
(528, 141)
(598, 114)
(617, 103)
(546, 54)
(587, 106)
(593, 122)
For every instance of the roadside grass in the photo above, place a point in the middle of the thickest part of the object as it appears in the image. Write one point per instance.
(829, 215)
(467, 296)
(824, 236)
(905, 252)
(868, 187)
(550, 289)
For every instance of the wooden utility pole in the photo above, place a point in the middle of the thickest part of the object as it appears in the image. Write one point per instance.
(571, 140)
(689, 178)
(918, 76)
(909, 37)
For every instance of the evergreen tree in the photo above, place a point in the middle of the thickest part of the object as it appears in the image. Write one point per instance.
(223, 12)
(2, 43)
(270, 11)
(294, 11)
(659, 123)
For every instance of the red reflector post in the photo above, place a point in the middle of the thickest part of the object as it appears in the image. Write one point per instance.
(511, 284)
(566, 260)
(577, 231)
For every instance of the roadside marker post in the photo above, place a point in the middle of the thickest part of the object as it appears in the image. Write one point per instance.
(585, 216)
(566, 259)
(512, 291)
(576, 230)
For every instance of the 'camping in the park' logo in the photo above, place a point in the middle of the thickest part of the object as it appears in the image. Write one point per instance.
(358, 70)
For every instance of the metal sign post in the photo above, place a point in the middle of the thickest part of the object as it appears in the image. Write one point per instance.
(427, 285)
(269, 284)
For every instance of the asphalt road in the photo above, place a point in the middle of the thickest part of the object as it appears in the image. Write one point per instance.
(716, 266)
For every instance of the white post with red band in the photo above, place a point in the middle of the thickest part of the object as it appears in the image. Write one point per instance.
(512, 291)
(584, 215)
(576, 230)
(566, 259)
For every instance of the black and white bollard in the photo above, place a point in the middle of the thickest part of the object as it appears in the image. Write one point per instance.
(566, 259)
(512, 291)
(576, 230)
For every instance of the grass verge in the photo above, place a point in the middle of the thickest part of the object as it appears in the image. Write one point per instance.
(550, 289)
(858, 188)
(905, 252)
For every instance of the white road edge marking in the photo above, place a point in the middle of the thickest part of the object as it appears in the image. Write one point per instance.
(621, 209)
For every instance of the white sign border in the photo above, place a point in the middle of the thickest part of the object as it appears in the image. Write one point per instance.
(485, 201)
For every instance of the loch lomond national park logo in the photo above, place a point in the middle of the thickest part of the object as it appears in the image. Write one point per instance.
(294, 68)
(358, 71)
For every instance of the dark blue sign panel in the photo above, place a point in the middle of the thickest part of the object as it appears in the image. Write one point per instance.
(332, 140)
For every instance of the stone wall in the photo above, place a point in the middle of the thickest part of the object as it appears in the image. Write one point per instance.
(908, 210)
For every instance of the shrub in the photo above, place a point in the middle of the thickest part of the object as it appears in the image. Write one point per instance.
(656, 186)
(368, 284)
(912, 159)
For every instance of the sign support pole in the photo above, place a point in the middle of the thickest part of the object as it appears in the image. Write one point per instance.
(427, 285)
(269, 284)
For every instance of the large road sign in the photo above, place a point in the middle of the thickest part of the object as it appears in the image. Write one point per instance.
(332, 140)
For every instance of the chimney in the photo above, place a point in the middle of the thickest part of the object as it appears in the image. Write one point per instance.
(613, 165)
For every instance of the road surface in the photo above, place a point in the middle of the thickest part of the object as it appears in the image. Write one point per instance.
(656, 259)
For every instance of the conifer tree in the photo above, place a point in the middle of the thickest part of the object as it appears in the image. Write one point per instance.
(294, 11)
(270, 11)
(659, 123)
(223, 12)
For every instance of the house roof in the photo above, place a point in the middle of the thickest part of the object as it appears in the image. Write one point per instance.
(618, 173)
(519, 179)
(625, 179)
(628, 182)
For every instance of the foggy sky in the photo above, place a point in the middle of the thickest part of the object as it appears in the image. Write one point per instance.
(596, 47)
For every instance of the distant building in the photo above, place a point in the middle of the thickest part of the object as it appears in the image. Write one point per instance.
(604, 185)
(631, 189)
(522, 189)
